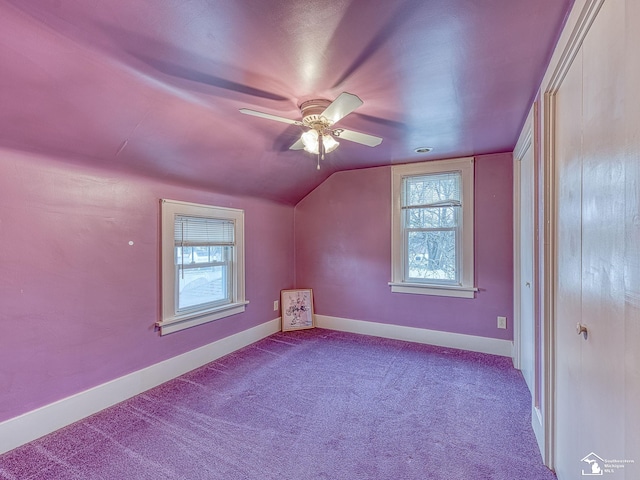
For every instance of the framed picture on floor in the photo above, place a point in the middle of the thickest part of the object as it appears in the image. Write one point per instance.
(297, 309)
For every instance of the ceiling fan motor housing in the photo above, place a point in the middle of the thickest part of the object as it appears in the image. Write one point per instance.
(312, 114)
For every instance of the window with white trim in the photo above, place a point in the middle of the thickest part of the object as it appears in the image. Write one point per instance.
(432, 228)
(202, 264)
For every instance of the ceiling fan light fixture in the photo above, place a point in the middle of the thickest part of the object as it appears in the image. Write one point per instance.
(330, 143)
(310, 141)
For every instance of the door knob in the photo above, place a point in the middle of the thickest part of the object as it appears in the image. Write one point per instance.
(581, 329)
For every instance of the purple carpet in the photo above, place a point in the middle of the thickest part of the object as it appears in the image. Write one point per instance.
(307, 405)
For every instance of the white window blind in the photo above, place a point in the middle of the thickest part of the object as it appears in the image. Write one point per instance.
(202, 232)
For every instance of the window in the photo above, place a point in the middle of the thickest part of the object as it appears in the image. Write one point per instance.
(432, 222)
(202, 264)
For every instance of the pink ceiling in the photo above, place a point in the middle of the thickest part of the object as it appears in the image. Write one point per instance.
(154, 87)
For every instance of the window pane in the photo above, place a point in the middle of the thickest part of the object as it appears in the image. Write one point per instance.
(217, 253)
(200, 254)
(191, 255)
(202, 285)
(432, 255)
(187, 255)
(434, 217)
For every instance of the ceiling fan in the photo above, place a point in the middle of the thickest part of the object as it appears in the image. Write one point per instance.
(318, 119)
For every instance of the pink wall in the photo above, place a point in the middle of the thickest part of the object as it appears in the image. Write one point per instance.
(78, 303)
(343, 252)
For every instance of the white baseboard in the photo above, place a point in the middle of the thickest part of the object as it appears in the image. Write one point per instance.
(44, 420)
(537, 423)
(31, 425)
(419, 335)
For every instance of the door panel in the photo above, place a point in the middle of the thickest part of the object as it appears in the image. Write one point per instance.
(603, 226)
(632, 240)
(597, 149)
(527, 284)
(569, 285)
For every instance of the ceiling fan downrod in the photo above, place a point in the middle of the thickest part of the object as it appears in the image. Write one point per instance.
(320, 150)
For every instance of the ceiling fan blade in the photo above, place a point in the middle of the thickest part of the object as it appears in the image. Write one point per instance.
(357, 137)
(297, 146)
(268, 116)
(341, 107)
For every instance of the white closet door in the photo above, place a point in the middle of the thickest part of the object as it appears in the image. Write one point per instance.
(598, 250)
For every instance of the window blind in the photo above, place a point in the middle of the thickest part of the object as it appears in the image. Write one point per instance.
(199, 232)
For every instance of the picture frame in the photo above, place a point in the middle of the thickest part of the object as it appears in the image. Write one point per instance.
(297, 309)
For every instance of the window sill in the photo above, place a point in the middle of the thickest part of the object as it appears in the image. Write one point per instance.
(176, 324)
(437, 290)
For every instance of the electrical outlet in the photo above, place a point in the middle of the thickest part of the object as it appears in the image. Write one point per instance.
(275, 305)
(502, 322)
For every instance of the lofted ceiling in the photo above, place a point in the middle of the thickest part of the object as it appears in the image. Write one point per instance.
(155, 86)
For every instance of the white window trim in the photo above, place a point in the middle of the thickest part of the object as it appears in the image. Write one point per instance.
(171, 320)
(466, 288)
